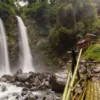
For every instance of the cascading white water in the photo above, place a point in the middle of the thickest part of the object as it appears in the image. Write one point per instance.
(25, 57)
(9, 92)
(4, 59)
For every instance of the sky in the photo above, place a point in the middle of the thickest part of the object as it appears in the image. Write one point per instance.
(22, 3)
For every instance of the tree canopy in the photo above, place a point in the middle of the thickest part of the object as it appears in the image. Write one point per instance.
(61, 21)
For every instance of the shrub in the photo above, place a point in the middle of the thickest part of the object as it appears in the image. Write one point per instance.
(93, 52)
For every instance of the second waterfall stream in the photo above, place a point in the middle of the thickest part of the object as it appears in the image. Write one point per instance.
(25, 54)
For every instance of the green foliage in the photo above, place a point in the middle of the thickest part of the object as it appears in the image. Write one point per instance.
(93, 52)
(6, 10)
(53, 14)
(64, 21)
(65, 15)
(39, 11)
(8, 13)
(50, 57)
(80, 30)
(60, 39)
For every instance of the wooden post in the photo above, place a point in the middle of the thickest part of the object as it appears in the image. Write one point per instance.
(73, 60)
(73, 78)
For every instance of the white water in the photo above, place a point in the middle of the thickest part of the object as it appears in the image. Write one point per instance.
(4, 59)
(10, 91)
(25, 57)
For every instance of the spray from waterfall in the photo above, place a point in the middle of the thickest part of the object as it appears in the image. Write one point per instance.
(4, 59)
(25, 57)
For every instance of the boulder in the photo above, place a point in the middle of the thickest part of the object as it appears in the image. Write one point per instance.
(31, 96)
(58, 81)
(28, 85)
(8, 78)
(51, 96)
(23, 77)
(19, 84)
(24, 91)
(19, 71)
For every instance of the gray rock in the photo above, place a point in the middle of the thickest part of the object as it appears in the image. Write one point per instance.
(28, 85)
(51, 96)
(20, 84)
(31, 96)
(58, 81)
(96, 69)
(19, 71)
(3, 88)
(8, 78)
(82, 70)
(23, 77)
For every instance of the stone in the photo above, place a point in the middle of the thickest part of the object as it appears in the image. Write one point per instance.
(3, 79)
(51, 96)
(31, 96)
(28, 85)
(82, 70)
(19, 84)
(8, 78)
(35, 88)
(25, 89)
(58, 81)
(3, 88)
(24, 93)
(19, 71)
(96, 69)
(23, 77)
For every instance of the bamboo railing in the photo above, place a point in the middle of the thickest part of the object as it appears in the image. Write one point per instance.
(91, 90)
(67, 92)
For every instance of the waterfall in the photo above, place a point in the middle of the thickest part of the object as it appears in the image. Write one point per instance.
(25, 57)
(4, 60)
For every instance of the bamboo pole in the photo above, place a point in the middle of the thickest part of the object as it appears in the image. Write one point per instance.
(79, 81)
(73, 98)
(88, 92)
(73, 78)
(91, 92)
(81, 96)
(84, 92)
(98, 89)
(66, 86)
(95, 91)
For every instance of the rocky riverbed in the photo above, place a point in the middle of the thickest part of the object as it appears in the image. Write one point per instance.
(41, 86)
(27, 86)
